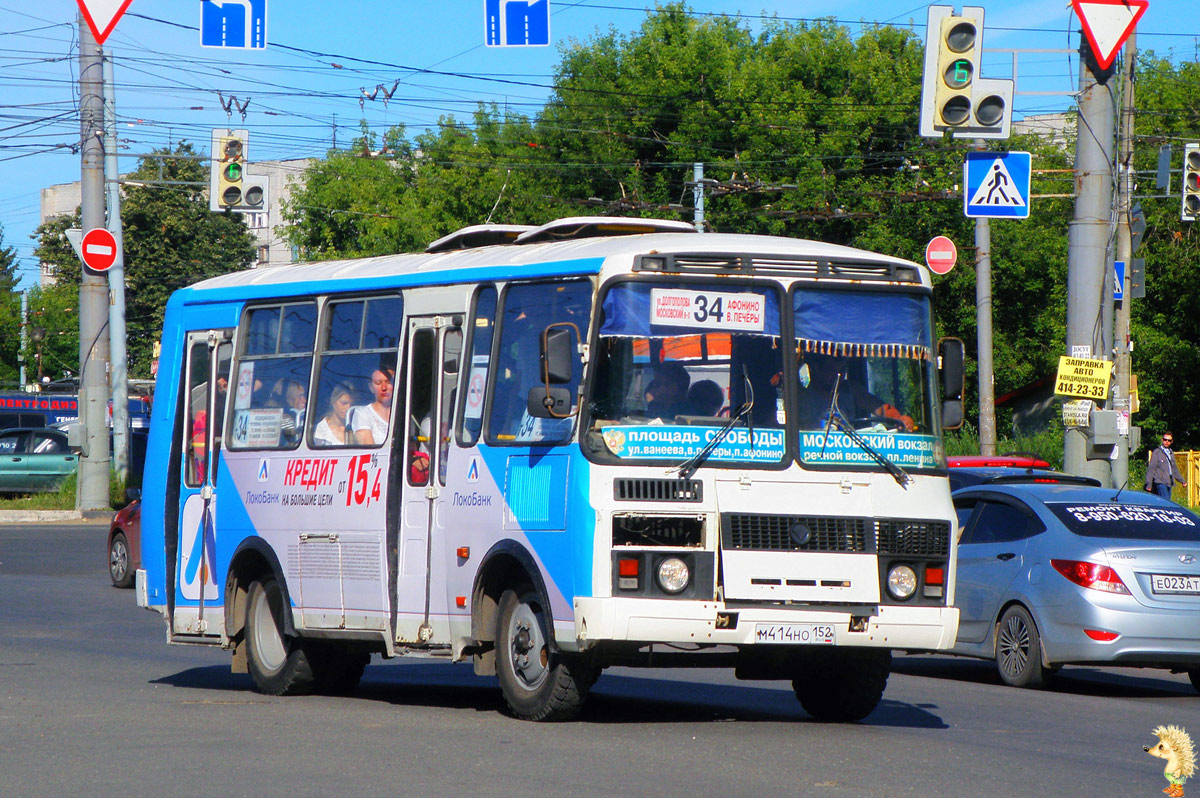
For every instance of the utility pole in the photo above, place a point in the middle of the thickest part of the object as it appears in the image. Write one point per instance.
(116, 283)
(698, 196)
(1121, 335)
(93, 298)
(1088, 255)
(983, 329)
(24, 337)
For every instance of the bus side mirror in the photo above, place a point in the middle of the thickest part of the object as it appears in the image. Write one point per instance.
(557, 359)
(951, 367)
(558, 365)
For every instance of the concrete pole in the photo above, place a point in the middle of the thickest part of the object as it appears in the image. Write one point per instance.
(1089, 260)
(698, 196)
(983, 327)
(93, 296)
(116, 284)
(24, 336)
(1121, 334)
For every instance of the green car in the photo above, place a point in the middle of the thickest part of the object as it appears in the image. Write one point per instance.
(35, 459)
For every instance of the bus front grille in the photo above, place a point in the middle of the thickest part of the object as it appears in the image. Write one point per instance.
(909, 537)
(753, 532)
(658, 490)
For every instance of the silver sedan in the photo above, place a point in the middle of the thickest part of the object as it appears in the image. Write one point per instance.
(1058, 571)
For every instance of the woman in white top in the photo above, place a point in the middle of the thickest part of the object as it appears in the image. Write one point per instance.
(370, 422)
(333, 430)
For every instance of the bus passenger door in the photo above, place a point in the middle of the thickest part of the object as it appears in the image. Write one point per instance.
(434, 351)
(197, 595)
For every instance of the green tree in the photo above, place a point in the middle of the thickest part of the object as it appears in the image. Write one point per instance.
(171, 240)
(10, 313)
(348, 204)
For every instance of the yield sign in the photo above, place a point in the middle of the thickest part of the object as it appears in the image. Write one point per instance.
(1107, 24)
(102, 15)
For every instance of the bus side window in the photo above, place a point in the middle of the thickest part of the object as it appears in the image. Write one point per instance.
(358, 347)
(528, 309)
(476, 371)
(224, 361)
(196, 425)
(272, 373)
(451, 364)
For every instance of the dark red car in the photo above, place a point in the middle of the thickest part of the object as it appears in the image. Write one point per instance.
(125, 544)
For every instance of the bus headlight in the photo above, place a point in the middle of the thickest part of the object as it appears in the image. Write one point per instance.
(672, 575)
(902, 582)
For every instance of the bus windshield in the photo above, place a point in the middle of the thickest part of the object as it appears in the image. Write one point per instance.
(674, 360)
(864, 362)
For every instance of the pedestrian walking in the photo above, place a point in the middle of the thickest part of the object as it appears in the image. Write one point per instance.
(1162, 474)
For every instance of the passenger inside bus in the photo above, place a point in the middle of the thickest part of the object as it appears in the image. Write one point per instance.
(292, 396)
(838, 384)
(704, 398)
(667, 393)
(370, 422)
(333, 429)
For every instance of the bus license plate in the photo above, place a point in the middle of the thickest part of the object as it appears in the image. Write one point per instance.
(1164, 583)
(794, 633)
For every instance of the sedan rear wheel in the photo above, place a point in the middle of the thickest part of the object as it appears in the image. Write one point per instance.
(118, 561)
(1019, 650)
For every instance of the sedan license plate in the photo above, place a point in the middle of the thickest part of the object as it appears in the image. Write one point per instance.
(1178, 585)
(794, 633)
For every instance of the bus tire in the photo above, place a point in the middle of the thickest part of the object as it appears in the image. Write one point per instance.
(278, 663)
(842, 685)
(537, 683)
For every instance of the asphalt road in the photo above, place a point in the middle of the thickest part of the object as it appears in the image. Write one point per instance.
(93, 702)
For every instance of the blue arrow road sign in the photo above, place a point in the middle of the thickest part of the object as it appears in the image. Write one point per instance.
(516, 23)
(237, 24)
(1118, 280)
(996, 184)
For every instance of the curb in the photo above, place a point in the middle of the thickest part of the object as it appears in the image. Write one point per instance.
(54, 516)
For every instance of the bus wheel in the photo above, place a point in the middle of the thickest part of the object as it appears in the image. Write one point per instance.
(277, 663)
(537, 684)
(842, 685)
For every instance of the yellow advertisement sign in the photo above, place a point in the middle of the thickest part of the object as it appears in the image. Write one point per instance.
(1083, 377)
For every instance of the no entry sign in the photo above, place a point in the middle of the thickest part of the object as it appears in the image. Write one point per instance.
(99, 249)
(940, 255)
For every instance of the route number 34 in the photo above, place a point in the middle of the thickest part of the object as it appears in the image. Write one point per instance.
(707, 308)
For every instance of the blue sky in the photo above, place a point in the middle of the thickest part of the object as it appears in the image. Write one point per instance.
(167, 85)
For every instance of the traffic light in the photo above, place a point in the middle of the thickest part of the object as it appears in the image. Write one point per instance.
(230, 188)
(1191, 182)
(954, 97)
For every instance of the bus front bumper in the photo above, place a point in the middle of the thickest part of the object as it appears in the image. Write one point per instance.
(672, 621)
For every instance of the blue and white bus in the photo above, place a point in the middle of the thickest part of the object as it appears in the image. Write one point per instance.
(548, 450)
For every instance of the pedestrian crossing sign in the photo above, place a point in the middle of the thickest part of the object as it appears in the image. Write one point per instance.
(996, 184)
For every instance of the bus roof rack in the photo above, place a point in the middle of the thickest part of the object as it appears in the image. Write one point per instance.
(599, 226)
(479, 235)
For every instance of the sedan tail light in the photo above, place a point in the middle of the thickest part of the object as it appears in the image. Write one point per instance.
(1092, 575)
